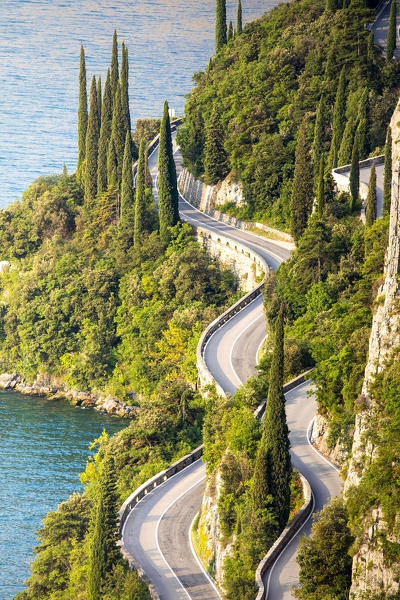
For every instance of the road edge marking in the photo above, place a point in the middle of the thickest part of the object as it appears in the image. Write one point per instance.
(198, 559)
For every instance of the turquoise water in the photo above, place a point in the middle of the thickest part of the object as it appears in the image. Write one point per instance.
(168, 41)
(43, 448)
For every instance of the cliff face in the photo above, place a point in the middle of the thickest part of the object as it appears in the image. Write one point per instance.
(372, 573)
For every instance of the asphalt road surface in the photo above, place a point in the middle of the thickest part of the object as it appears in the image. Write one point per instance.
(156, 532)
(380, 29)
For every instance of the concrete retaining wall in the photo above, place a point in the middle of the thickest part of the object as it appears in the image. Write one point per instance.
(341, 175)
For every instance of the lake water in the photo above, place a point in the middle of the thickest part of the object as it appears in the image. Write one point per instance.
(168, 40)
(43, 448)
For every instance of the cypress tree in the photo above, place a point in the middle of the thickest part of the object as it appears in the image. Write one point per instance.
(148, 178)
(124, 79)
(260, 483)
(140, 203)
(215, 158)
(127, 202)
(339, 116)
(370, 211)
(82, 110)
(112, 166)
(321, 188)
(363, 124)
(354, 174)
(105, 134)
(331, 5)
(239, 23)
(318, 142)
(108, 492)
(276, 432)
(387, 178)
(301, 200)
(118, 131)
(220, 25)
(114, 66)
(99, 99)
(97, 555)
(168, 197)
(230, 32)
(391, 35)
(346, 147)
(92, 147)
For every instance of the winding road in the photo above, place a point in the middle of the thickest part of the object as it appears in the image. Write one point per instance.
(156, 532)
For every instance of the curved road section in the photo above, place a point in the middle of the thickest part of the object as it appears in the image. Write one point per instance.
(156, 533)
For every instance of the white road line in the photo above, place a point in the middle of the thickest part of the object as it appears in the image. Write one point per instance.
(234, 344)
(156, 534)
(198, 559)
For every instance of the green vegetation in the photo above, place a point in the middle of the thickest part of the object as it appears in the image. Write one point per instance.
(391, 36)
(271, 77)
(301, 200)
(105, 134)
(220, 25)
(239, 18)
(215, 159)
(92, 148)
(82, 110)
(387, 178)
(167, 184)
(371, 209)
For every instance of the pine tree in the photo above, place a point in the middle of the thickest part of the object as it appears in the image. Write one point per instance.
(127, 195)
(321, 188)
(301, 200)
(239, 23)
(339, 117)
(391, 35)
(230, 32)
(118, 131)
(92, 148)
(346, 147)
(318, 143)
(114, 66)
(112, 165)
(82, 110)
(168, 197)
(140, 203)
(148, 178)
(276, 432)
(99, 99)
(105, 134)
(387, 178)
(215, 158)
(124, 79)
(370, 211)
(220, 25)
(97, 555)
(354, 174)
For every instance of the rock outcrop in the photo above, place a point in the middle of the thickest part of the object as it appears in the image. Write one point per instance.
(372, 573)
(45, 385)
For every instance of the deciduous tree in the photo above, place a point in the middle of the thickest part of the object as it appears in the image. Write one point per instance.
(302, 190)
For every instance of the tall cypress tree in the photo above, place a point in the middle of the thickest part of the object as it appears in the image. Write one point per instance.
(127, 200)
(92, 147)
(354, 174)
(140, 203)
(318, 142)
(301, 200)
(99, 101)
(97, 555)
(148, 178)
(168, 197)
(114, 65)
(124, 79)
(105, 134)
(370, 211)
(339, 117)
(230, 32)
(391, 35)
(321, 188)
(108, 492)
(275, 438)
(387, 178)
(112, 165)
(239, 19)
(346, 146)
(220, 25)
(331, 5)
(215, 158)
(118, 131)
(82, 110)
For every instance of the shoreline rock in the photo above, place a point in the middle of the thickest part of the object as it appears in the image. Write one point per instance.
(46, 385)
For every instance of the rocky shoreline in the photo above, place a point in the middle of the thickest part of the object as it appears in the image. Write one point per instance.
(45, 385)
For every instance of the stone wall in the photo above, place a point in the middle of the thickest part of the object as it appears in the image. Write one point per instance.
(341, 175)
(371, 572)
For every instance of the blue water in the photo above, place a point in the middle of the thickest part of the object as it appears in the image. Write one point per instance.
(168, 41)
(43, 448)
